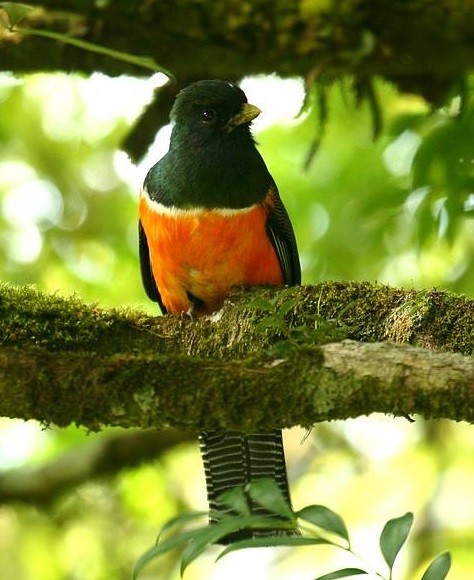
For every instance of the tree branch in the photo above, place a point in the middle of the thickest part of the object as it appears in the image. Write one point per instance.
(398, 39)
(63, 361)
(106, 456)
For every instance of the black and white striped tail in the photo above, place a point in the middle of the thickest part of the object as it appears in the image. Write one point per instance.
(232, 459)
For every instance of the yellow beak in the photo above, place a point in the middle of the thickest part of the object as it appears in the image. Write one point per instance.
(246, 114)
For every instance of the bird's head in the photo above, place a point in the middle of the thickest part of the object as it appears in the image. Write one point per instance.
(211, 109)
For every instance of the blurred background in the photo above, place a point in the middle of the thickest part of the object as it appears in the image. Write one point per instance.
(396, 210)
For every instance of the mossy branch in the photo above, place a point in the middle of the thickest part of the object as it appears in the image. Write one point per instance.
(294, 350)
(398, 39)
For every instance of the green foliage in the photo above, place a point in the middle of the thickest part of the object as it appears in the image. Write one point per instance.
(324, 518)
(443, 177)
(343, 573)
(438, 568)
(326, 528)
(15, 12)
(396, 210)
(276, 316)
(67, 217)
(393, 536)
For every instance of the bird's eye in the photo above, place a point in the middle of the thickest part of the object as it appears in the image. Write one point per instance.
(208, 116)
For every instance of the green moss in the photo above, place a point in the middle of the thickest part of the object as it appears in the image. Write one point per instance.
(63, 361)
(252, 322)
(449, 323)
(29, 318)
(32, 317)
(373, 312)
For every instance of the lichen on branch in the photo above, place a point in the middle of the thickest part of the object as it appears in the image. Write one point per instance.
(63, 361)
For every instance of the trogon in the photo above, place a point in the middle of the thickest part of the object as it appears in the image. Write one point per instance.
(210, 218)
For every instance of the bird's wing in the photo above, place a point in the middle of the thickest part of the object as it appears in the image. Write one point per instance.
(282, 236)
(145, 267)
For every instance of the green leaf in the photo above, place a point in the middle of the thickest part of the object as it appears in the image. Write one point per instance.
(325, 518)
(281, 349)
(271, 322)
(265, 492)
(439, 568)
(271, 542)
(203, 538)
(160, 549)
(206, 537)
(180, 521)
(285, 307)
(343, 573)
(15, 12)
(142, 61)
(197, 539)
(236, 500)
(393, 536)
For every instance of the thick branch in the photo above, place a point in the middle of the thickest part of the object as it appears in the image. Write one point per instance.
(63, 361)
(399, 39)
(310, 384)
(338, 380)
(326, 312)
(334, 381)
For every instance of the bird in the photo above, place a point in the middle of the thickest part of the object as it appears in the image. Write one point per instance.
(210, 219)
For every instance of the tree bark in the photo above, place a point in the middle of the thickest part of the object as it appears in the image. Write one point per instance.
(63, 361)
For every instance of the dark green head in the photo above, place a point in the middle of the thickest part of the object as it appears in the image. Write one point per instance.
(212, 160)
(210, 110)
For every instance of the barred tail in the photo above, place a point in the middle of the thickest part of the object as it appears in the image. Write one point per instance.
(231, 459)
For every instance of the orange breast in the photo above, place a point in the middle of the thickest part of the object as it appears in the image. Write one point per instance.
(206, 253)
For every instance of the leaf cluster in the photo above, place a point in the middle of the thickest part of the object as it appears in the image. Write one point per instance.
(276, 319)
(316, 525)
